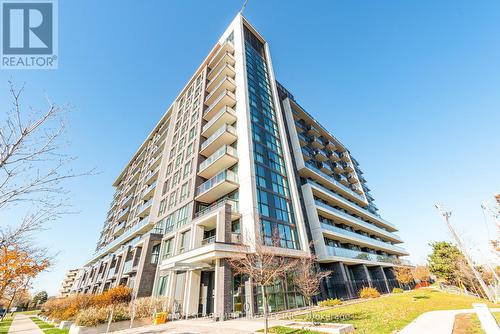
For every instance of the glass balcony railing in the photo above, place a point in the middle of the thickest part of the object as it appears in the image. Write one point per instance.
(363, 238)
(358, 221)
(127, 266)
(217, 154)
(209, 240)
(217, 100)
(145, 205)
(219, 132)
(216, 205)
(215, 118)
(360, 255)
(335, 182)
(225, 175)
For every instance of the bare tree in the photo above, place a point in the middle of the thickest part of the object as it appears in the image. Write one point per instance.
(307, 279)
(33, 165)
(264, 268)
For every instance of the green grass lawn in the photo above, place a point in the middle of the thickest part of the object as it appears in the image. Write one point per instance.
(48, 328)
(497, 316)
(393, 312)
(5, 324)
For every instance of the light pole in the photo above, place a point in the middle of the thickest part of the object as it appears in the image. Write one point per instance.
(446, 216)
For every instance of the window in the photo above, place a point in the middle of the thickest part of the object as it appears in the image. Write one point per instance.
(184, 191)
(184, 242)
(175, 179)
(192, 132)
(167, 248)
(173, 199)
(189, 150)
(187, 169)
(178, 160)
(161, 210)
(166, 186)
(169, 169)
(161, 290)
(155, 254)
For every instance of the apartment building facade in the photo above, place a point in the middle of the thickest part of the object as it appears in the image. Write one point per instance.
(68, 282)
(221, 171)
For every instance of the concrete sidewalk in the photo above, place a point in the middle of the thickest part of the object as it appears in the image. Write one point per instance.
(207, 326)
(22, 324)
(436, 322)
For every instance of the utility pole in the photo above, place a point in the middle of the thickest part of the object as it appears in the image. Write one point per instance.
(446, 216)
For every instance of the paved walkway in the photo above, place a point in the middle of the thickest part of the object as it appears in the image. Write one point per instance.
(22, 324)
(436, 322)
(206, 326)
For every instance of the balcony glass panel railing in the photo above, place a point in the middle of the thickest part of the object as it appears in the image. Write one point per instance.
(209, 240)
(217, 100)
(220, 83)
(360, 255)
(145, 205)
(123, 213)
(215, 118)
(358, 221)
(127, 266)
(352, 204)
(206, 209)
(150, 187)
(220, 131)
(225, 175)
(217, 154)
(335, 182)
(361, 237)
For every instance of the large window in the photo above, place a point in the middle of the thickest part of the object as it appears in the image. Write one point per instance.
(273, 195)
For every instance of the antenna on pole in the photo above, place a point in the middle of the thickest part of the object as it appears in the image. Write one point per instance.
(446, 216)
(243, 7)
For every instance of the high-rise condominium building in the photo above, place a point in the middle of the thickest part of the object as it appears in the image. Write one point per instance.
(235, 160)
(67, 283)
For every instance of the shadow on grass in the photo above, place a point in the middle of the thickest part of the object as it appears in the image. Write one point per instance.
(421, 297)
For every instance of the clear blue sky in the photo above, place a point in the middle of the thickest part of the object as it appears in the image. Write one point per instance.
(411, 87)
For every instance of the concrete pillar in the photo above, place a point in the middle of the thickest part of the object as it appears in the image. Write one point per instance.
(192, 297)
(223, 290)
(385, 279)
(249, 299)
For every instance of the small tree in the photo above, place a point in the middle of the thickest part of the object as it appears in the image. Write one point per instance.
(39, 298)
(264, 268)
(307, 279)
(443, 261)
(403, 275)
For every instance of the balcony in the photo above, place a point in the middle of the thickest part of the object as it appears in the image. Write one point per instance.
(325, 168)
(225, 115)
(218, 186)
(314, 173)
(225, 135)
(360, 255)
(334, 156)
(315, 142)
(352, 178)
(320, 156)
(128, 267)
(336, 214)
(225, 83)
(145, 208)
(344, 180)
(226, 47)
(226, 98)
(111, 273)
(357, 238)
(223, 158)
(123, 215)
(345, 156)
(151, 175)
(214, 206)
(348, 167)
(357, 188)
(129, 188)
(209, 240)
(299, 127)
(119, 229)
(338, 168)
(126, 201)
(303, 139)
(313, 131)
(330, 145)
(149, 191)
(225, 58)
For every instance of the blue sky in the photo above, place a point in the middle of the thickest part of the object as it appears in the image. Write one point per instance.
(411, 87)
